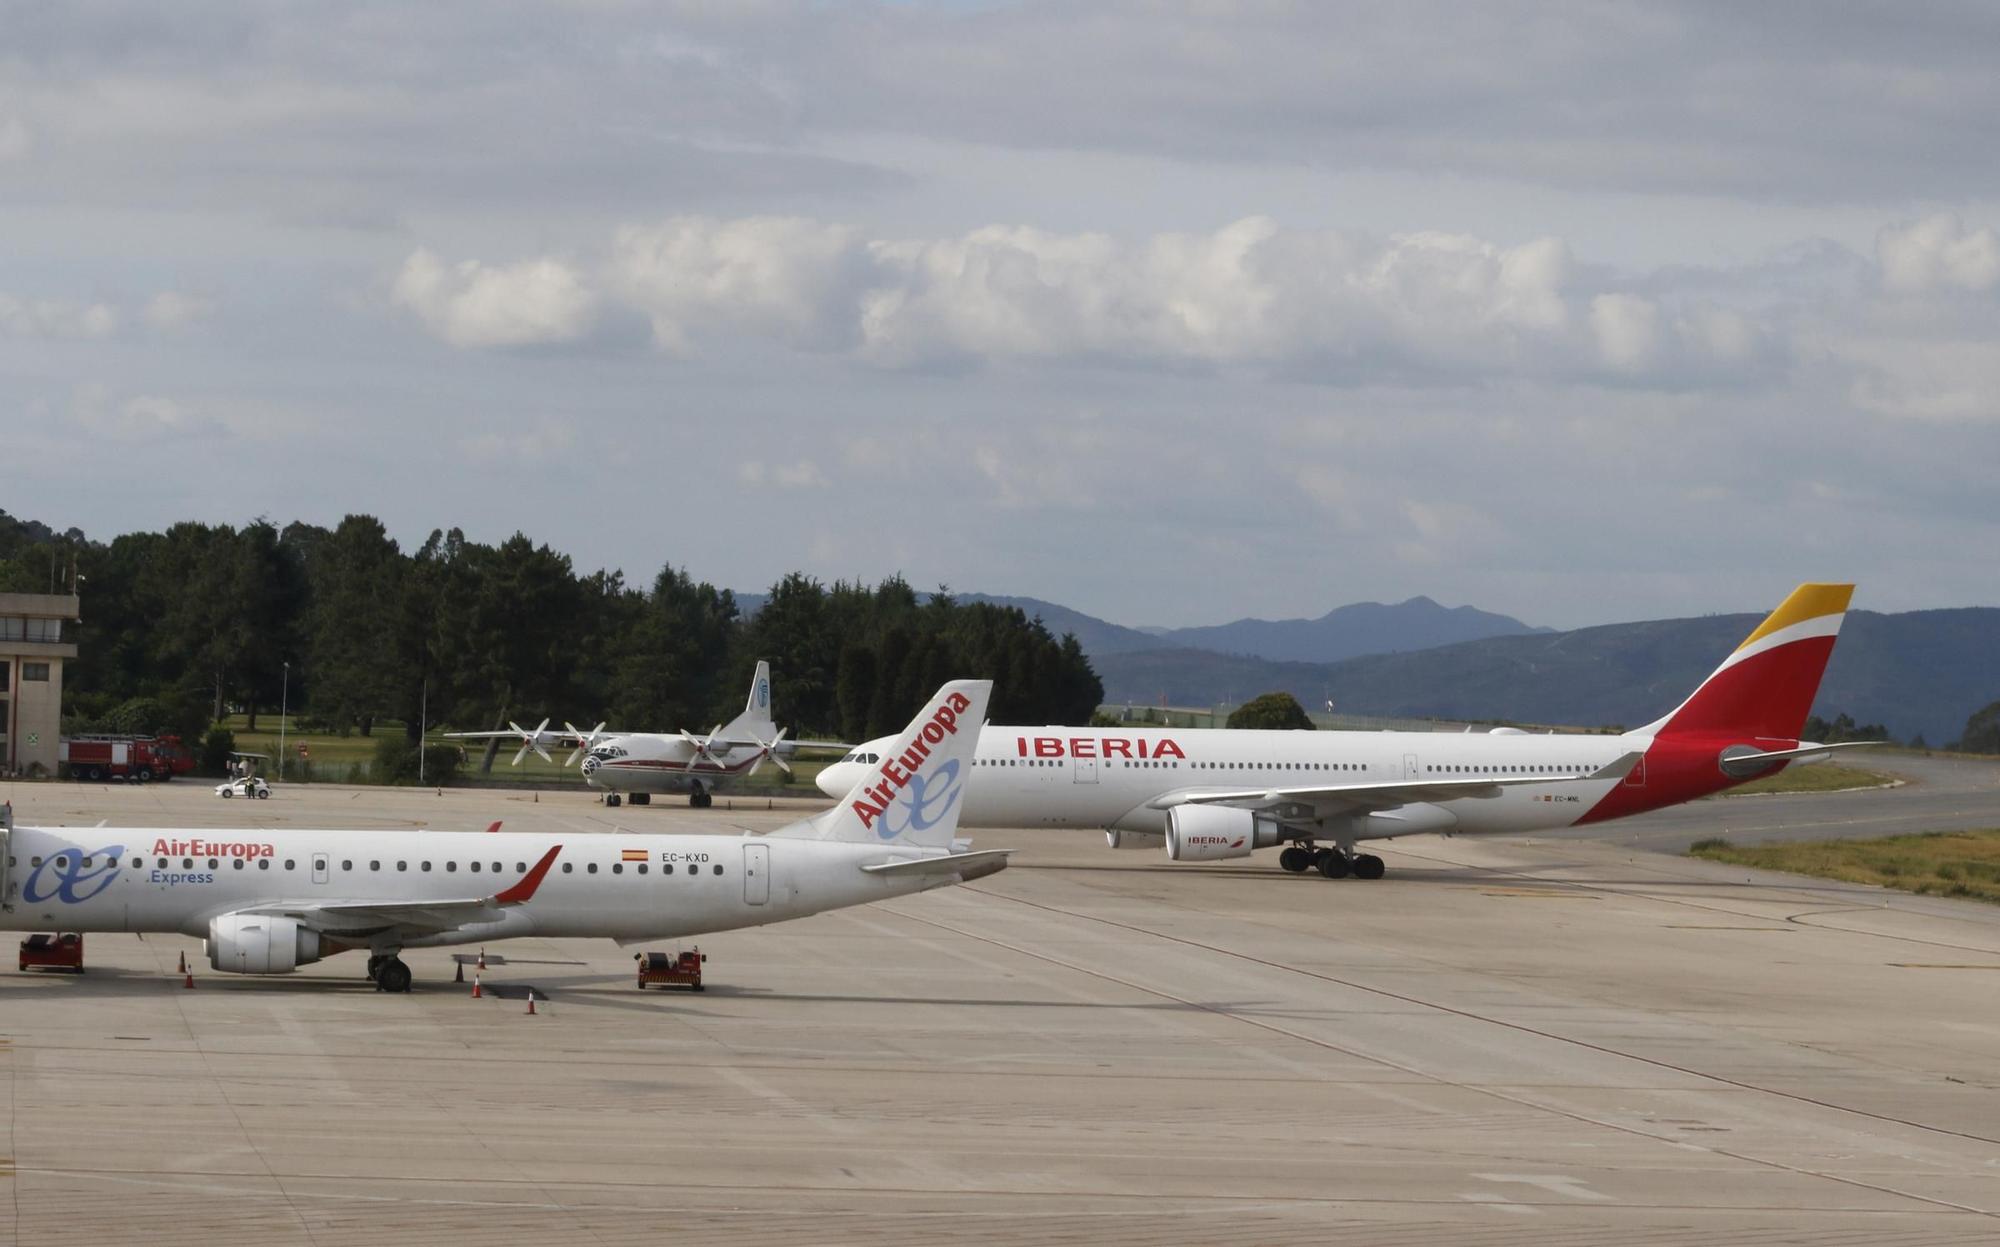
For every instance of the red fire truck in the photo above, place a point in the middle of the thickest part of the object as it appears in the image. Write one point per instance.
(138, 758)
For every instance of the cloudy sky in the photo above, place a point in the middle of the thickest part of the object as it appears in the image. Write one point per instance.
(1173, 313)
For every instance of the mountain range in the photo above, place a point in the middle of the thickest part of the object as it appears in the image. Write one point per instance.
(1916, 673)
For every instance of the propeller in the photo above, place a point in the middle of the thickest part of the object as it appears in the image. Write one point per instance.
(770, 752)
(700, 744)
(530, 740)
(584, 740)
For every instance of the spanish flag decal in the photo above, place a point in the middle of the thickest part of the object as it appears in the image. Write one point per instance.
(633, 855)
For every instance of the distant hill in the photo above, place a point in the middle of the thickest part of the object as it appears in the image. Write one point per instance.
(1348, 632)
(1918, 672)
(1094, 634)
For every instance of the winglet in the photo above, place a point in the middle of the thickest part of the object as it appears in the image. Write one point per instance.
(525, 889)
(495, 827)
(1619, 767)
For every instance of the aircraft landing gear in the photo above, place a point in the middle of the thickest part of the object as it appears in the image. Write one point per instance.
(611, 800)
(1334, 863)
(392, 975)
(642, 798)
(699, 799)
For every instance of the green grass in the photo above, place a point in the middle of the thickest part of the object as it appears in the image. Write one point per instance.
(1944, 863)
(1818, 777)
(334, 758)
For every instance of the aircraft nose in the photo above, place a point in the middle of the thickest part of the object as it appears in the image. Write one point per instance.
(835, 780)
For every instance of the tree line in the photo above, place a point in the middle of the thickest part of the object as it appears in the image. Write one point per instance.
(184, 626)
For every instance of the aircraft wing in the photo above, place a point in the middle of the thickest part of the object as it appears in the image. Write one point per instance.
(967, 866)
(1385, 796)
(360, 917)
(548, 736)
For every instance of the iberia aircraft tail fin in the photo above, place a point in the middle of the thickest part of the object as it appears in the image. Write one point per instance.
(1766, 688)
(914, 795)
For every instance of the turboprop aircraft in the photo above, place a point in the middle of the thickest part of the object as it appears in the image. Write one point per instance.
(269, 901)
(639, 764)
(1210, 794)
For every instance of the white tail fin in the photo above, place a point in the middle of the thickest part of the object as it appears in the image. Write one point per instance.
(913, 795)
(755, 721)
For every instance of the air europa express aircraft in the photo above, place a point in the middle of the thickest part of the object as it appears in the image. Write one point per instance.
(1213, 794)
(270, 901)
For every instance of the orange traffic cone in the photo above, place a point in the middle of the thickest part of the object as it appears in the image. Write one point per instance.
(476, 993)
(482, 959)
(531, 1004)
(188, 981)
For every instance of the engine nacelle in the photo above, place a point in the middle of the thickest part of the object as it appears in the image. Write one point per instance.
(1207, 833)
(1119, 838)
(260, 944)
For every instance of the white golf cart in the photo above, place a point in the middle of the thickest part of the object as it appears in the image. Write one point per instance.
(243, 779)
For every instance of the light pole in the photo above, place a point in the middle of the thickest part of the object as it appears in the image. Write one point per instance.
(284, 703)
(423, 726)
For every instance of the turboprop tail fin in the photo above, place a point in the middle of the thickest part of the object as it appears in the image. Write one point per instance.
(1766, 688)
(913, 796)
(755, 721)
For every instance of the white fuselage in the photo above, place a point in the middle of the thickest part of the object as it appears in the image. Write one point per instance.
(654, 762)
(1106, 777)
(615, 886)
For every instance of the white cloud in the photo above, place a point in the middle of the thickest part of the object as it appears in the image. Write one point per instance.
(533, 447)
(55, 318)
(471, 304)
(16, 140)
(1343, 306)
(170, 311)
(1628, 331)
(98, 411)
(799, 475)
(1938, 253)
(784, 277)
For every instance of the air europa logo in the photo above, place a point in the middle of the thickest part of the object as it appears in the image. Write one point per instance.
(211, 848)
(931, 796)
(72, 876)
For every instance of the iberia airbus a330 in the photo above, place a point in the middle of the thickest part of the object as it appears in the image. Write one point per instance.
(1212, 794)
(268, 901)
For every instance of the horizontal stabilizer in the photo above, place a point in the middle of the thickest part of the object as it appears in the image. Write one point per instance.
(1746, 763)
(966, 866)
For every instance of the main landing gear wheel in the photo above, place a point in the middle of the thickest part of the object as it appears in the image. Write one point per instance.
(1332, 863)
(375, 967)
(611, 799)
(1368, 866)
(1296, 859)
(392, 976)
(642, 798)
(701, 800)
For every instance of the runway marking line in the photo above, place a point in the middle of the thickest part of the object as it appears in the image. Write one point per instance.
(1940, 965)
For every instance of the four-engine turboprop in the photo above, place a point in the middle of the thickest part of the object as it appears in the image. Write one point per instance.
(639, 764)
(269, 901)
(1212, 794)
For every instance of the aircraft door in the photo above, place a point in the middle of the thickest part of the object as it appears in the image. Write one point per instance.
(1083, 770)
(319, 868)
(1637, 777)
(1410, 766)
(756, 873)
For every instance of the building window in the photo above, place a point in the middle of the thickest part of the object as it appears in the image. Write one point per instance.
(35, 671)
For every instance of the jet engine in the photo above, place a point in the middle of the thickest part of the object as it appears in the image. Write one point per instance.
(1207, 833)
(1119, 838)
(260, 944)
